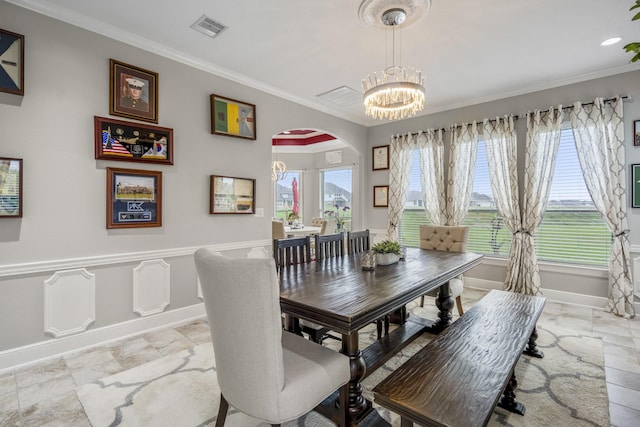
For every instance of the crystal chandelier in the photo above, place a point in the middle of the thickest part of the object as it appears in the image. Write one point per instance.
(399, 93)
(278, 170)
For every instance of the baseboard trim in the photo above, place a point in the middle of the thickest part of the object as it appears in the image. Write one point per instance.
(32, 353)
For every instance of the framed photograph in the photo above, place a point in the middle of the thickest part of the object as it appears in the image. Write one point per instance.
(134, 198)
(380, 196)
(635, 186)
(133, 92)
(636, 133)
(380, 157)
(231, 195)
(10, 187)
(233, 118)
(132, 142)
(11, 62)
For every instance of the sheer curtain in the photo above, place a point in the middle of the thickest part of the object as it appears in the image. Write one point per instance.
(399, 173)
(462, 165)
(431, 148)
(599, 134)
(502, 157)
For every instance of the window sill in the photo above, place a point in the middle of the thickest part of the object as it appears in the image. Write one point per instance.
(552, 267)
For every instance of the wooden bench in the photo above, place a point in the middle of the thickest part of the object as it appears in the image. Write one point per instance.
(459, 377)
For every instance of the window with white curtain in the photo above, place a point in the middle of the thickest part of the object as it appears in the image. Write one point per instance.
(336, 190)
(571, 232)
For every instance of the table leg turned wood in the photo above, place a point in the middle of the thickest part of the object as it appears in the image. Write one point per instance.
(445, 303)
(358, 405)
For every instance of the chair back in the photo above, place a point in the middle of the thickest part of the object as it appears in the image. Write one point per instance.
(248, 288)
(329, 245)
(319, 222)
(277, 229)
(358, 241)
(444, 237)
(296, 250)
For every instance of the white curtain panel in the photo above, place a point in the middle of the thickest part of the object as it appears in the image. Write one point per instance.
(399, 173)
(462, 166)
(543, 139)
(431, 148)
(599, 134)
(502, 157)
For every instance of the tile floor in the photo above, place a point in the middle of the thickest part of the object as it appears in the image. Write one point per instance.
(43, 394)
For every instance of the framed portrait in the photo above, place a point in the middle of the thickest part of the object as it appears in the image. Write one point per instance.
(380, 196)
(230, 195)
(636, 133)
(132, 142)
(635, 186)
(233, 118)
(10, 187)
(380, 157)
(133, 92)
(134, 198)
(12, 62)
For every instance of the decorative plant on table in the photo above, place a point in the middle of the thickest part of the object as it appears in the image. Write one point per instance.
(387, 252)
(292, 216)
(340, 218)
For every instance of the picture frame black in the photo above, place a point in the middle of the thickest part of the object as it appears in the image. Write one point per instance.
(635, 186)
(380, 158)
(231, 117)
(10, 187)
(636, 133)
(134, 198)
(12, 64)
(132, 142)
(232, 195)
(133, 92)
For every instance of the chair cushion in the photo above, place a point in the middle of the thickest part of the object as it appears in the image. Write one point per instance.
(443, 238)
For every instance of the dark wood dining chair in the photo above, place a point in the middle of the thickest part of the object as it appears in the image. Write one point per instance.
(295, 250)
(358, 241)
(329, 245)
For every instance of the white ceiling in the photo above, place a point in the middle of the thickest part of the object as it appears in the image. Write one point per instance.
(471, 51)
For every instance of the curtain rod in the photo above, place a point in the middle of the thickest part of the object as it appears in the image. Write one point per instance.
(517, 116)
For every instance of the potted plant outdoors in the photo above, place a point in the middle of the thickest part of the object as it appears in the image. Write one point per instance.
(387, 252)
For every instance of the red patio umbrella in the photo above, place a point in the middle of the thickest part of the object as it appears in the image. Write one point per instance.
(294, 190)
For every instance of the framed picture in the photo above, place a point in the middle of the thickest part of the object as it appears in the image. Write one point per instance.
(231, 195)
(134, 198)
(233, 118)
(132, 142)
(636, 133)
(10, 187)
(11, 63)
(380, 157)
(380, 196)
(635, 186)
(133, 92)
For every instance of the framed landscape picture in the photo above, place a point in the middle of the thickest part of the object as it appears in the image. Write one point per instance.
(132, 142)
(230, 195)
(233, 118)
(12, 63)
(133, 92)
(134, 198)
(380, 196)
(10, 187)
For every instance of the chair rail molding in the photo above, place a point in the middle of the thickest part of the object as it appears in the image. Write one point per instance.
(69, 302)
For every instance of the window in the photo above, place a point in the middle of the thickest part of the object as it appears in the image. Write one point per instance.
(413, 215)
(336, 190)
(285, 197)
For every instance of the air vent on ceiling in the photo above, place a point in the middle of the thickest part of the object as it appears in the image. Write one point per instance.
(343, 95)
(209, 27)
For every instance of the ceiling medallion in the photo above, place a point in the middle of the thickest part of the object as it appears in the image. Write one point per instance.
(399, 92)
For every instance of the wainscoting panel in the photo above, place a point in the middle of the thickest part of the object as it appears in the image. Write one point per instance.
(151, 287)
(69, 302)
(200, 286)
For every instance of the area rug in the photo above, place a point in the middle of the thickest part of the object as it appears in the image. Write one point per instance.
(566, 387)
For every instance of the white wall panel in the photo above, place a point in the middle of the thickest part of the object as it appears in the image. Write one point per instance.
(151, 287)
(69, 302)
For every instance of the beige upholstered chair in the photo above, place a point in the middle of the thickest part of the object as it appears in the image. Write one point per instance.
(319, 222)
(277, 229)
(262, 371)
(446, 238)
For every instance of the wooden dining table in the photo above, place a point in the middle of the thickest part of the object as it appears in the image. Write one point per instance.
(339, 294)
(305, 230)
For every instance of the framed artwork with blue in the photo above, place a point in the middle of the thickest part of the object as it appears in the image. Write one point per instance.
(11, 62)
(134, 198)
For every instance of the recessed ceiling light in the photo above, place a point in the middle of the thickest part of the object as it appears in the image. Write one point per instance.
(612, 40)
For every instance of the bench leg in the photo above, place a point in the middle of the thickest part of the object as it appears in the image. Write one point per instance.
(405, 422)
(508, 400)
(532, 348)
